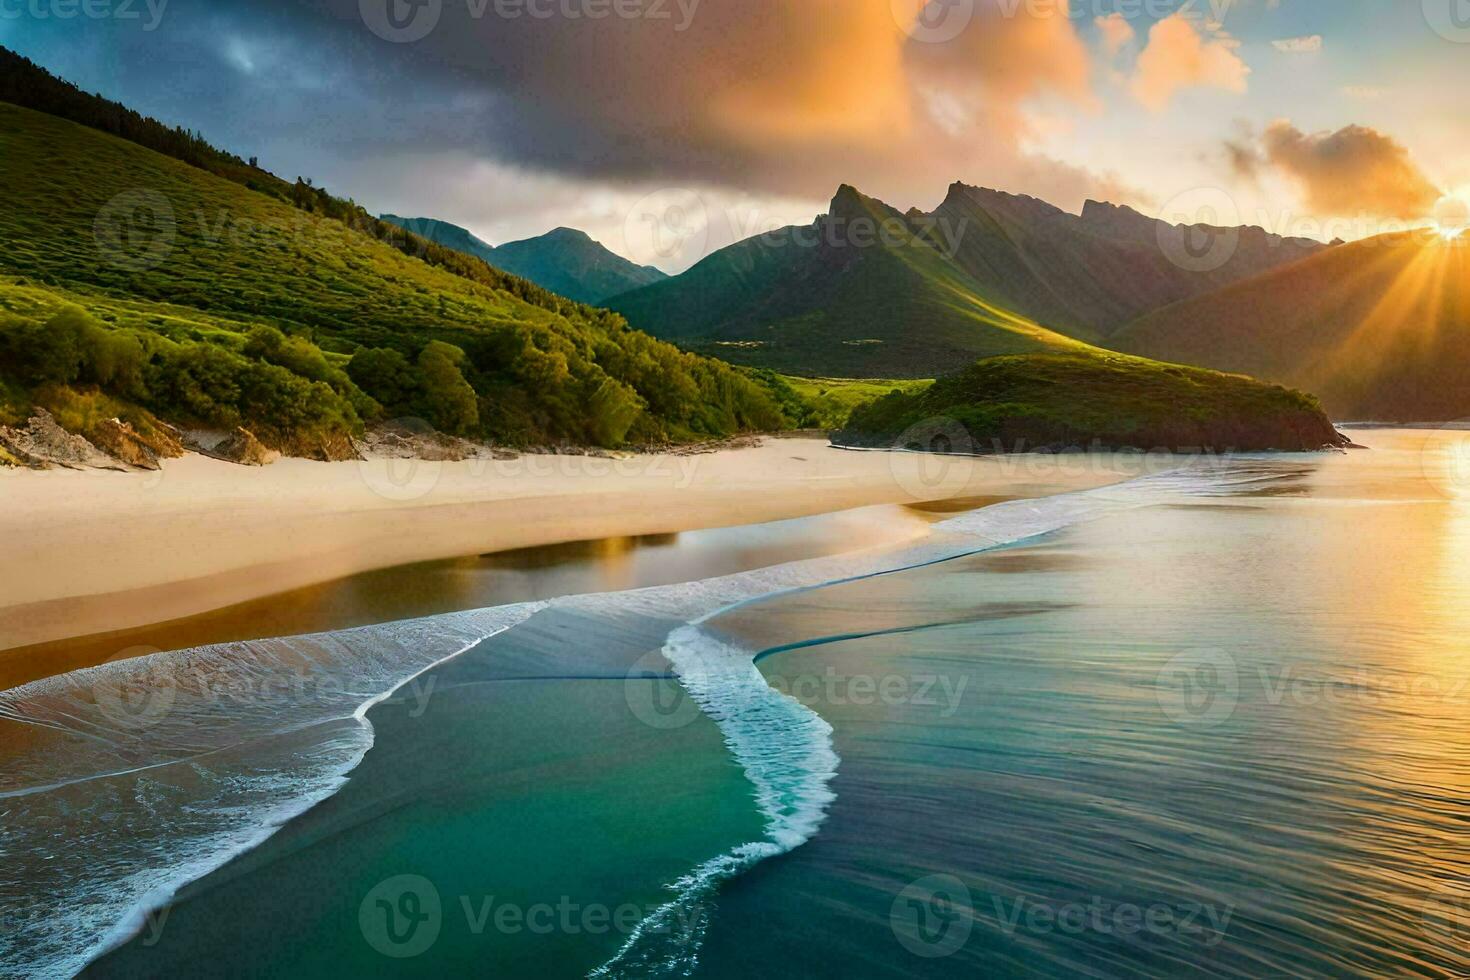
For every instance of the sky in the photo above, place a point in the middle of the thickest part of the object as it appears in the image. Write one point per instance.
(669, 128)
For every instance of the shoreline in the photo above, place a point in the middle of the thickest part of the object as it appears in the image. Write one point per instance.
(738, 588)
(97, 552)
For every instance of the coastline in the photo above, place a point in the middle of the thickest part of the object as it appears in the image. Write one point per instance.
(92, 552)
(542, 659)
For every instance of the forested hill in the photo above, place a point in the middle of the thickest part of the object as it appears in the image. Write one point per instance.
(1062, 401)
(210, 293)
(26, 84)
(566, 261)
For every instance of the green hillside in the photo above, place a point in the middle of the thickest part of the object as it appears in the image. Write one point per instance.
(867, 290)
(829, 402)
(1378, 329)
(570, 263)
(205, 301)
(864, 292)
(566, 261)
(446, 234)
(1093, 273)
(1065, 401)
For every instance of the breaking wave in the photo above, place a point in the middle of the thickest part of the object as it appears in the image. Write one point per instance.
(136, 777)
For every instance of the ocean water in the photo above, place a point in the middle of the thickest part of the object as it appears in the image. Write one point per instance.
(1207, 722)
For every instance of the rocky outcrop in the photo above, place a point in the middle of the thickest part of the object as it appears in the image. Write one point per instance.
(416, 439)
(242, 447)
(42, 444)
(122, 442)
(111, 444)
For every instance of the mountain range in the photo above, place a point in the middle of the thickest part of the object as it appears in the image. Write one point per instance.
(865, 291)
(868, 290)
(362, 320)
(566, 261)
(1378, 329)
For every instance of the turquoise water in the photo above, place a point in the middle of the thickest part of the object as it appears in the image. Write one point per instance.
(1210, 722)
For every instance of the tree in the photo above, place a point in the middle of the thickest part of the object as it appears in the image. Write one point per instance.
(449, 401)
(612, 410)
(53, 351)
(386, 375)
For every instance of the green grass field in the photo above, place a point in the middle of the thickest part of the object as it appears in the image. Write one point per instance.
(832, 400)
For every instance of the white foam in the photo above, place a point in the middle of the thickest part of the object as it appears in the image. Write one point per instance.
(786, 748)
(114, 815)
(786, 752)
(240, 767)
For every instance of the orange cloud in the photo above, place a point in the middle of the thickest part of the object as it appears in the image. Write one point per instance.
(840, 75)
(1355, 170)
(1115, 31)
(1179, 56)
(1001, 61)
(787, 98)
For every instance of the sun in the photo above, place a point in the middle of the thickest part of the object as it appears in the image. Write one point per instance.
(1452, 216)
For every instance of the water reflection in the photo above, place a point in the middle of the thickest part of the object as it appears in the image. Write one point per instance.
(409, 592)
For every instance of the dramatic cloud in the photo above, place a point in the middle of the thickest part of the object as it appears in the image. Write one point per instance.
(1354, 171)
(1116, 32)
(779, 97)
(1001, 60)
(1179, 55)
(776, 100)
(1299, 45)
(1245, 159)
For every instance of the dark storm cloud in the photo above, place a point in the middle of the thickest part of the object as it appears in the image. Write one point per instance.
(788, 97)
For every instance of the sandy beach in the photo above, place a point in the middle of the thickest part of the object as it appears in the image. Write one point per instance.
(89, 552)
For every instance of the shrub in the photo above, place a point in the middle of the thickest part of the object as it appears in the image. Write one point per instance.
(218, 387)
(387, 376)
(448, 400)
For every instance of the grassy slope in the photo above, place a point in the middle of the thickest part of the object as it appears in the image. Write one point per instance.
(832, 400)
(1085, 400)
(239, 258)
(1083, 274)
(565, 261)
(1378, 328)
(569, 262)
(1006, 266)
(854, 309)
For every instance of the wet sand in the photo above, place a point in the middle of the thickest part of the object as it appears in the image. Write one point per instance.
(99, 554)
